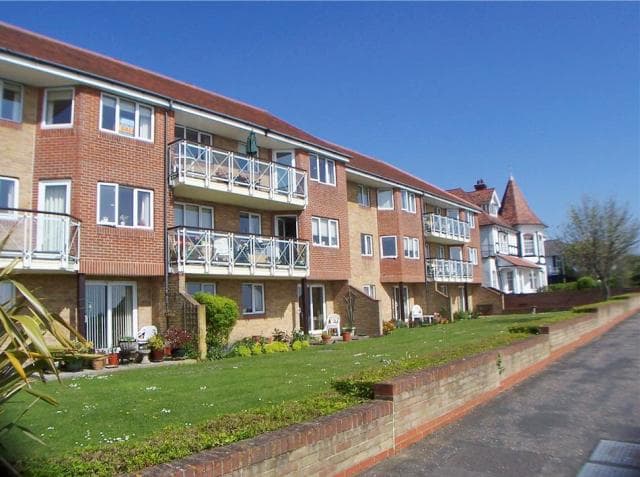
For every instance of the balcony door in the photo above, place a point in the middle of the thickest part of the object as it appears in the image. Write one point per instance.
(317, 308)
(111, 312)
(286, 228)
(52, 235)
(285, 158)
(398, 299)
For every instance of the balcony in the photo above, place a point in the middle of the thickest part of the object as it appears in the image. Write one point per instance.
(498, 249)
(442, 270)
(210, 252)
(43, 241)
(201, 172)
(445, 229)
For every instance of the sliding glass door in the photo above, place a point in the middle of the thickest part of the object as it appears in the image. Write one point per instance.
(111, 312)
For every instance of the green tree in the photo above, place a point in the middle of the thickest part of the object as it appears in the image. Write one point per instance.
(598, 237)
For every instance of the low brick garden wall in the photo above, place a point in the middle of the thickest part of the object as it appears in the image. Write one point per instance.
(405, 409)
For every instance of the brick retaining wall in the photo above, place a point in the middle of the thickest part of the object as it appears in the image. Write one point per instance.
(405, 410)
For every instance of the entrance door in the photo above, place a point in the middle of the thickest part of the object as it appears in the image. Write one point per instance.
(463, 299)
(53, 230)
(286, 227)
(317, 308)
(111, 312)
(397, 312)
(285, 158)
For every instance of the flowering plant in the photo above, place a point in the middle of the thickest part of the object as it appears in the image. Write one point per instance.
(177, 337)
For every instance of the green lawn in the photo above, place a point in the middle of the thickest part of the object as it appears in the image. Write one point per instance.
(134, 405)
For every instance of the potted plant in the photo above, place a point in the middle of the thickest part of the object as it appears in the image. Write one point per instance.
(326, 337)
(113, 358)
(128, 348)
(75, 363)
(99, 362)
(156, 345)
(177, 338)
(349, 328)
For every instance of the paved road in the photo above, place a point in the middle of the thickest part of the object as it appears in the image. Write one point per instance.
(547, 425)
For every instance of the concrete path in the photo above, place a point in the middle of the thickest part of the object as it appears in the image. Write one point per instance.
(549, 425)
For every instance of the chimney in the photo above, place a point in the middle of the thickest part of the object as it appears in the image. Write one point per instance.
(480, 185)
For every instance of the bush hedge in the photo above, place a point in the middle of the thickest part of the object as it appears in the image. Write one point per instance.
(222, 314)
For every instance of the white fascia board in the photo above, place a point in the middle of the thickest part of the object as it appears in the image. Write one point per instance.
(83, 79)
(450, 202)
(383, 182)
(156, 100)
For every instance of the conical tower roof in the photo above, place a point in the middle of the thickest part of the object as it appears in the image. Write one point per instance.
(515, 210)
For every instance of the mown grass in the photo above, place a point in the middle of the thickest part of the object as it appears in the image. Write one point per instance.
(123, 421)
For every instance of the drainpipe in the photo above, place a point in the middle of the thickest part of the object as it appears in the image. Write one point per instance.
(401, 297)
(165, 196)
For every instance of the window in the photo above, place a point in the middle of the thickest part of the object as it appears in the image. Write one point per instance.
(369, 290)
(250, 223)
(11, 107)
(453, 213)
(408, 201)
(324, 232)
(206, 287)
(366, 245)
(471, 219)
(473, 255)
(124, 206)
(58, 108)
(385, 199)
(192, 135)
(411, 247)
(388, 246)
(322, 169)
(438, 210)
(252, 298)
(190, 215)
(8, 193)
(440, 251)
(7, 295)
(510, 281)
(442, 288)
(455, 253)
(529, 247)
(362, 196)
(126, 118)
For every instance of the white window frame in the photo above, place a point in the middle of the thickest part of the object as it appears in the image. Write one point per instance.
(442, 288)
(367, 241)
(136, 190)
(473, 255)
(2, 82)
(252, 215)
(136, 125)
(200, 210)
(533, 245)
(471, 220)
(392, 199)
(408, 201)
(200, 134)
(109, 299)
(16, 192)
(328, 164)
(254, 312)
(411, 248)
(440, 252)
(44, 124)
(369, 290)
(363, 192)
(317, 221)
(200, 286)
(395, 242)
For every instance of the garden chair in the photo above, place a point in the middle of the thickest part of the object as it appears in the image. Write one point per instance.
(416, 314)
(145, 333)
(332, 323)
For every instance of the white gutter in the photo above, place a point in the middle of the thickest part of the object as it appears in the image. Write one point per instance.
(157, 100)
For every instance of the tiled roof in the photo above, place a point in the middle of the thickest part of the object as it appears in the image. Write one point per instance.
(486, 219)
(483, 218)
(480, 197)
(33, 45)
(518, 262)
(515, 209)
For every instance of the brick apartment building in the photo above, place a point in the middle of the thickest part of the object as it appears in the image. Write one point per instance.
(126, 191)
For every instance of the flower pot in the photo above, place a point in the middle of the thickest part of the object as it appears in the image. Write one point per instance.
(157, 355)
(178, 353)
(167, 350)
(346, 335)
(113, 360)
(98, 363)
(73, 365)
(327, 339)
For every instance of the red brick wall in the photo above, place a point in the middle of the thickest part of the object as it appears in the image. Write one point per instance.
(331, 202)
(87, 156)
(401, 224)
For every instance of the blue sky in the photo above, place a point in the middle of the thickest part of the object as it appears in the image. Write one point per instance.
(451, 92)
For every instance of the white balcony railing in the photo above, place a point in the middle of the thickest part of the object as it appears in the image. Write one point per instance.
(499, 248)
(233, 172)
(442, 270)
(195, 250)
(40, 240)
(446, 227)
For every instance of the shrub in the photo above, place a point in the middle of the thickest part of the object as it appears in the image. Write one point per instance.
(242, 350)
(388, 327)
(298, 345)
(257, 348)
(461, 315)
(276, 347)
(586, 282)
(529, 330)
(281, 335)
(222, 314)
(177, 337)
(299, 335)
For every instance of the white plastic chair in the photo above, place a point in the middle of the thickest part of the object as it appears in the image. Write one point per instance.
(145, 333)
(333, 323)
(416, 314)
